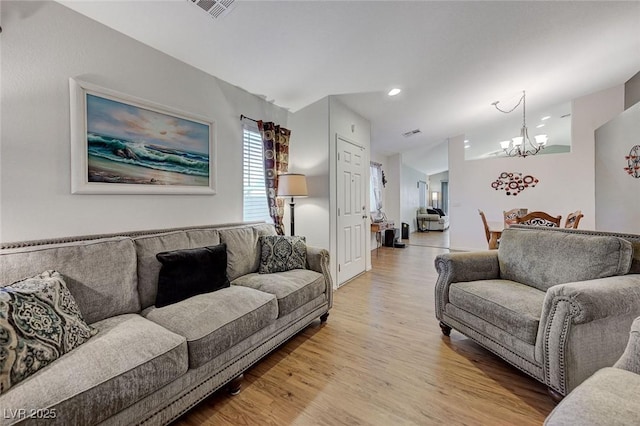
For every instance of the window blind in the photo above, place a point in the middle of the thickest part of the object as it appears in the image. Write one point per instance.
(254, 198)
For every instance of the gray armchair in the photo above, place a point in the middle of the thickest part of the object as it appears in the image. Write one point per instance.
(609, 397)
(555, 303)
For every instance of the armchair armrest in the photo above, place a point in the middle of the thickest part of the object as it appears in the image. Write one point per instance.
(318, 260)
(630, 359)
(459, 267)
(584, 327)
(596, 299)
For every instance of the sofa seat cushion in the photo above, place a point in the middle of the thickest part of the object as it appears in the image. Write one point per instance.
(214, 322)
(128, 359)
(609, 397)
(542, 259)
(292, 288)
(508, 305)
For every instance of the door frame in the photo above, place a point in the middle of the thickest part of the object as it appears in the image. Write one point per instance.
(334, 207)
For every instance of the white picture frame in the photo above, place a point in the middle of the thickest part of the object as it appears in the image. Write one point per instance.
(121, 144)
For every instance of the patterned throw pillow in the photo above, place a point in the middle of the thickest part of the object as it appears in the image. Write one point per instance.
(279, 253)
(39, 322)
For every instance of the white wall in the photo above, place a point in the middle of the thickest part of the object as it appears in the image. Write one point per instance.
(566, 181)
(409, 196)
(43, 44)
(617, 193)
(313, 153)
(309, 155)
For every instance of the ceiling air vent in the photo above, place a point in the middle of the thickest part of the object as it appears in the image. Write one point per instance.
(215, 8)
(411, 133)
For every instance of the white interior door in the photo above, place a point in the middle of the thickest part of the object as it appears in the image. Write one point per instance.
(352, 211)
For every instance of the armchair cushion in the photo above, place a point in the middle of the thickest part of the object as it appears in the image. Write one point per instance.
(553, 258)
(508, 305)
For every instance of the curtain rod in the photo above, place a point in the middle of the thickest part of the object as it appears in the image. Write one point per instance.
(242, 117)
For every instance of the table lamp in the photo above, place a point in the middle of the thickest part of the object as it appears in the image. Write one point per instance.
(292, 185)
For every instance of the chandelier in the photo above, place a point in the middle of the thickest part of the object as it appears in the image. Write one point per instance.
(522, 146)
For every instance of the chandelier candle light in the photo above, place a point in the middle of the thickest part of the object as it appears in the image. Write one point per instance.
(522, 146)
(292, 185)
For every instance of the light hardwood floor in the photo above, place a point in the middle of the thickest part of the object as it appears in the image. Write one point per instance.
(381, 360)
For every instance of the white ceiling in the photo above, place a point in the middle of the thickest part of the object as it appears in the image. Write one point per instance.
(452, 59)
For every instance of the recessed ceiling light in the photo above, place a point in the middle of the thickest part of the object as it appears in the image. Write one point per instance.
(539, 125)
(546, 117)
(466, 141)
(467, 146)
(394, 92)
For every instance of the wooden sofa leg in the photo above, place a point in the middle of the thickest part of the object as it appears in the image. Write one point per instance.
(323, 317)
(446, 330)
(234, 385)
(555, 395)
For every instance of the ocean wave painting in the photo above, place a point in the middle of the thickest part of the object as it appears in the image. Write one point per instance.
(127, 144)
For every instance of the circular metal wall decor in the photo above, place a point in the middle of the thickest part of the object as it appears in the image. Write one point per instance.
(513, 183)
(633, 162)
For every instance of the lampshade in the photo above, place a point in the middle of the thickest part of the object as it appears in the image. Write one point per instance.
(292, 185)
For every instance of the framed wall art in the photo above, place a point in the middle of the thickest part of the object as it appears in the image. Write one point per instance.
(125, 145)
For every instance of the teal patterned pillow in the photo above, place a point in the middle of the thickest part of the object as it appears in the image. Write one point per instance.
(279, 253)
(39, 322)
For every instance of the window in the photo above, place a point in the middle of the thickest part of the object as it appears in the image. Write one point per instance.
(254, 196)
(375, 186)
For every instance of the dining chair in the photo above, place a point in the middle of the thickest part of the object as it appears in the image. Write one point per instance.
(486, 225)
(573, 219)
(540, 219)
(510, 216)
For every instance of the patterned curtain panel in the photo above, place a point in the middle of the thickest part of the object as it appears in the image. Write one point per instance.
(275, 146)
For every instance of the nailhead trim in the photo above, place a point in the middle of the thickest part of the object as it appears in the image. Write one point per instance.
(574, 312)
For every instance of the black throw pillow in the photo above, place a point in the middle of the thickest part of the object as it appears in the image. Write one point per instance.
(440, 212)
(187, 273)
(432, 211)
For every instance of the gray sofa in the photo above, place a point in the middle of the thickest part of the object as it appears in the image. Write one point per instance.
(555, 303)
(609, 397)
(149, 365)
(433, 221)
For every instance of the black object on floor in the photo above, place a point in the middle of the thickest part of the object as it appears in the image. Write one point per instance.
(399, 245)
(405, 231)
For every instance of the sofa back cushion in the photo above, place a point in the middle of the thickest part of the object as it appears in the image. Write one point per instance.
(148, 265)
(542, 259)
(100, 274)
(243, 248)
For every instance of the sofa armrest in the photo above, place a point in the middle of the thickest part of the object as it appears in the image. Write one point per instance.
(459, 267)
(318, 260)
(630, 359)
(584, 326)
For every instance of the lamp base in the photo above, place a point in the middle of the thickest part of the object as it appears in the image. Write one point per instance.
(291, 210)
